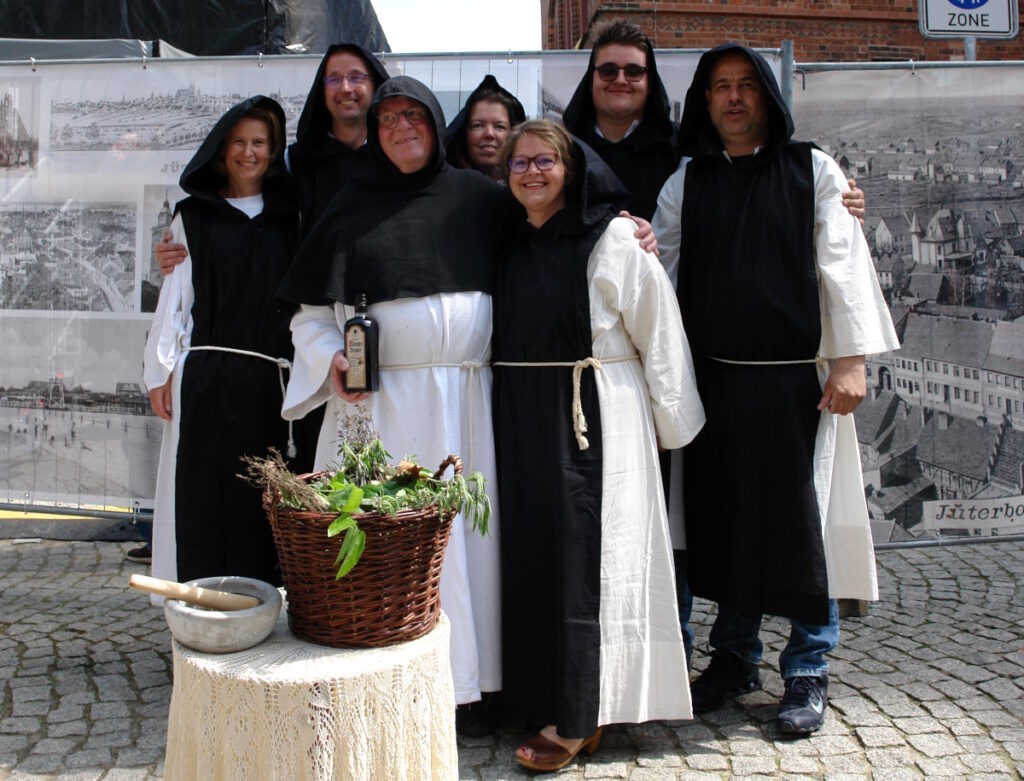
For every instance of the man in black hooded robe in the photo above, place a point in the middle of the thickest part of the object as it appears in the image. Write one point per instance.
(780, 303)
(626, 120)
(331, 136)
(419, 239)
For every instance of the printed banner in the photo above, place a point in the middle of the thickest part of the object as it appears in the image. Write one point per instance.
(939, 153)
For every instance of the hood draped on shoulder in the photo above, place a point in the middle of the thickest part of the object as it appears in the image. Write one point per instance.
(455, 136)
(312, 133)
(580, 116)
(598, 192)
(202, 180)
(698, 137)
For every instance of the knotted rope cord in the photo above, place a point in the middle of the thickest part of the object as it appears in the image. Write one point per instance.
(282, 364)
(579, 421)
(472, 366)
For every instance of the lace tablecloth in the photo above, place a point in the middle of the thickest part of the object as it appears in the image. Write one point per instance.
(289, 710)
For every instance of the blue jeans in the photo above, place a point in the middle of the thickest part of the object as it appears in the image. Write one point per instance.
(804, 654)
(685, 598)
(145, 529)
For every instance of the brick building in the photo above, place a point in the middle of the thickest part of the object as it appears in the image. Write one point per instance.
(821, 30)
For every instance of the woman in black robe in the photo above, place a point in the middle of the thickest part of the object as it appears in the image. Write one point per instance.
(591, 368)
(240, 223)
(475, 137)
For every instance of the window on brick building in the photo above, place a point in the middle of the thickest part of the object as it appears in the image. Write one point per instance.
(975, 373)
(956, 371)
(917, 387)
(956, 394)
(945, 368)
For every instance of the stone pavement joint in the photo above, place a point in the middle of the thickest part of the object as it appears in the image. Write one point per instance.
(930, 683)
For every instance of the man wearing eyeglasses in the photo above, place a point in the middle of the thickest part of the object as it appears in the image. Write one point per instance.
(332, 127)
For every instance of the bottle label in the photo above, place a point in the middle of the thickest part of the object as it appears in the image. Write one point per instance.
(355, 351)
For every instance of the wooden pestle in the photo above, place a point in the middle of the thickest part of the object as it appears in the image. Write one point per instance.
(204, 597)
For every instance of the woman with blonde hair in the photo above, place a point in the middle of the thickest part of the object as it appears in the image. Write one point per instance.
(592, 373)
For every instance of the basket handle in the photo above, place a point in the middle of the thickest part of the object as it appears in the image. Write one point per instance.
(452, 460)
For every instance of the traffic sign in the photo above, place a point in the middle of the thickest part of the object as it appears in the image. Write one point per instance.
(968, 18)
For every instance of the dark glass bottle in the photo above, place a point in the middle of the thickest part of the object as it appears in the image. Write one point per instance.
(361, 344)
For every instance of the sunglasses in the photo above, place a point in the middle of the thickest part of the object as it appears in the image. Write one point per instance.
(609, 71)
(520, 164)
(355, 78)
(414, 116)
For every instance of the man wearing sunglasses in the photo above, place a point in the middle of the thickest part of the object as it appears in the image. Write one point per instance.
(621, 110)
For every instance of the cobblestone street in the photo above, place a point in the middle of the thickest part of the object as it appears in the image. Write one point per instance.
(930, 684)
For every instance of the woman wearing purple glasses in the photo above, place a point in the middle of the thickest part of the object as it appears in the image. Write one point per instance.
(592, 371)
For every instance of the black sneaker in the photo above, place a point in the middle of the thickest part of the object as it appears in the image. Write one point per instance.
(477, 719)
(802, 709)
(726, 676)
(140, 555)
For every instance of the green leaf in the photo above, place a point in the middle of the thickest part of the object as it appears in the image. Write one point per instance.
(351, 550)
(340, 524)
(355, 498)
(342, 500)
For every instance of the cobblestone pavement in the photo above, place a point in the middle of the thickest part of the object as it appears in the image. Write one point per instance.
(930, 684)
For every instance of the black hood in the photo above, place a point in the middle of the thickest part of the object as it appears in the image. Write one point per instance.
(698, 137)
(311, 134)
(383, 170)
(580, 115)
(598, 191)
(202, 180)
(455, 136)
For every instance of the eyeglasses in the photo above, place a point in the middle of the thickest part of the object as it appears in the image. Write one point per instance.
(609, 71)
(520, 164)
(414, 116)
(355, 78)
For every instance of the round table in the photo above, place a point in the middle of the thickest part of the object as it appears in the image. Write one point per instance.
(289, 710)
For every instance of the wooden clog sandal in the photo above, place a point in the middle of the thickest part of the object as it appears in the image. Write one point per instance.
(549, 756)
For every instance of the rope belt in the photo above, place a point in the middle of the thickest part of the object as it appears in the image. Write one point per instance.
(579, 422)
(768, 363)
(472, 366)
(282, 364)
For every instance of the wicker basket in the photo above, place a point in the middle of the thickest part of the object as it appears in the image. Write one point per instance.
(390, 596)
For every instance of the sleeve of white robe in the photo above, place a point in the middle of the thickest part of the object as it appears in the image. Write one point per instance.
(631, 282)
(666, 223)
(172, 322)
(317, 337)
(854, 317)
